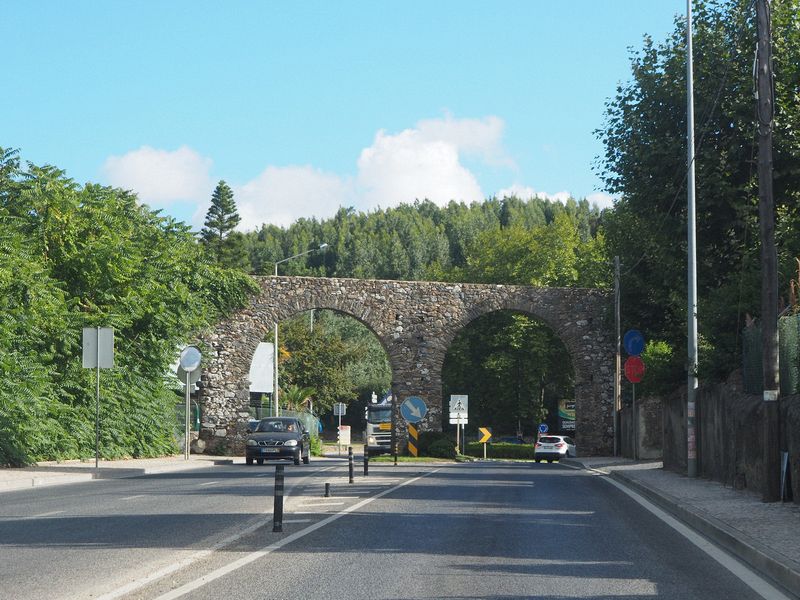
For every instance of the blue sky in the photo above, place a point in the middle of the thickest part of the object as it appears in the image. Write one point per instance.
(305, 106)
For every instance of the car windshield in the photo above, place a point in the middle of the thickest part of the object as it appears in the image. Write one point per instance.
(549, 440)
(277, 425)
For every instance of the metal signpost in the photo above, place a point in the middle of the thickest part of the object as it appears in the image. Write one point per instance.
(459, 416)
(98, 353)
(634, 371)
(413, 410)
(486, 434)
(189, 363)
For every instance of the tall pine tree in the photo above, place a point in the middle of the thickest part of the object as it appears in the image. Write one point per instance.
(223, 244)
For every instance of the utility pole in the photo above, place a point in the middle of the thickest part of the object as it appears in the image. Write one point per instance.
(691, 312)
(617, 361)
(765, 109)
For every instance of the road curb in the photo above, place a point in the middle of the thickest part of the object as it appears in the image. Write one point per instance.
(778, 568)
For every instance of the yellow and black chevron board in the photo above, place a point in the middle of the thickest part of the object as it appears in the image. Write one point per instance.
(413, 440)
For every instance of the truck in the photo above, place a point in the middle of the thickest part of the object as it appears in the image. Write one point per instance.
(378, 427)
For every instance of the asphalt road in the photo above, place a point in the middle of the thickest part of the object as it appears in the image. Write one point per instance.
(478, 530)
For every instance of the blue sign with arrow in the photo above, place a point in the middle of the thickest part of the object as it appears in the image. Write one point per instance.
(413, 409)
(633, 342)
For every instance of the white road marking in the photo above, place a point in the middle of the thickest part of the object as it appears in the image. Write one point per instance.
(257, 523)
(320, 504)
(253, 556)
(297, 520)
(752, 579)
(209, 483)
(47, 514)
(132, 497)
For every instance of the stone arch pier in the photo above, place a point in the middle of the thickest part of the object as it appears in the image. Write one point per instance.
(415, 322)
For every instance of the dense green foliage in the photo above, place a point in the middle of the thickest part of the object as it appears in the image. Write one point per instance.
(74, 257)
(514, 370)
(423, 241)
(340, 360)
(501, 450)
(645, 165)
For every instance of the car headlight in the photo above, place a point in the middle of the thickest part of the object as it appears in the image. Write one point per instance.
(290, 443)
(371, 441)
(252, 443)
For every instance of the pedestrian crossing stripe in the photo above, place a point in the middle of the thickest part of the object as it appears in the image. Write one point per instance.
(413, 437)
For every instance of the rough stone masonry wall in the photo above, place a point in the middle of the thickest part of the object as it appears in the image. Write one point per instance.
(415, 322)
(729, 433)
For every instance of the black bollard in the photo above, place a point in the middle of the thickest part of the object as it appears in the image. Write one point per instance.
(327, 490)
(277, 511)
(350, 461)
(366, 463)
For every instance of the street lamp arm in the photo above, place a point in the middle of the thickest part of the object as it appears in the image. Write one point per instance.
(321, 247)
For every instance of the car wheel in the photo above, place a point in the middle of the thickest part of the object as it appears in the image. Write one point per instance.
(297, 457)
(249, 460)
(260, 461)
(568, 455)
(307, 457)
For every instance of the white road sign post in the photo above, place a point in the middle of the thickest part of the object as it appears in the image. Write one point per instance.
(98, 353)
(459, 415)
(189, 363)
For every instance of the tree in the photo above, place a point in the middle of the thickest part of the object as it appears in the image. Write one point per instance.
(645, 165)
(226, 246)
(73, 256)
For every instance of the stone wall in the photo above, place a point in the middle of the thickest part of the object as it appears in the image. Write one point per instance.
(729, 435)
(415, 322)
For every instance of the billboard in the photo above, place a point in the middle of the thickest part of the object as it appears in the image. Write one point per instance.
(566, 415)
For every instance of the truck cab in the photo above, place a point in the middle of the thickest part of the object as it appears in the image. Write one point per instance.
(378, 428)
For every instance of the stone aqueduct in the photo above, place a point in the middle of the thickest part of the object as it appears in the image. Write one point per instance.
(415, 322)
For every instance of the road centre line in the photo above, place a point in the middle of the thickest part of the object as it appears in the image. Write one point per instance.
(747, 575)
(253, 556)
(257, 523)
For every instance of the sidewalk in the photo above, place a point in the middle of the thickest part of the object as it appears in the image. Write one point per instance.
(73, 471)
(765, 536)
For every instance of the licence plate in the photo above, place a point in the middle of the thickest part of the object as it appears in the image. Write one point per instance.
(269, 451)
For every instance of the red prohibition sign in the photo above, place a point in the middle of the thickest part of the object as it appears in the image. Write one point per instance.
(634, 369)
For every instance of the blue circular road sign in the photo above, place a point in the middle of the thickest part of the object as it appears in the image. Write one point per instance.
(413, 409)
(633, 342)
(543, 428)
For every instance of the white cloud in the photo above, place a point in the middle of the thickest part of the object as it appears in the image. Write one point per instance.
(161, 177)
(417, 164)
(601, 199)
(281, 195)
(525, 193)
(425, 161)
(473, 137)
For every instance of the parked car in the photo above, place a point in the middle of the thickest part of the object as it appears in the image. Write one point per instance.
(278, 438)
(553, 447)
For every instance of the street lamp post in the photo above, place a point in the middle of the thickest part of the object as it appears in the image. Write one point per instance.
(275, 347)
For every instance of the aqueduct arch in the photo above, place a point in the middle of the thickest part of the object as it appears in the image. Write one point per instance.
(415, 322)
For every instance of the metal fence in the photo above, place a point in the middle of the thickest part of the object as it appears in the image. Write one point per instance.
(788, 353)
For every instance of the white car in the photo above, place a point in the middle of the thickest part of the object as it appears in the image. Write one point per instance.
(553, 447)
